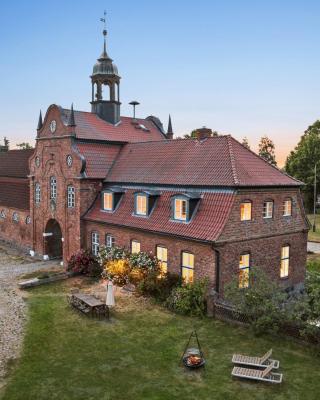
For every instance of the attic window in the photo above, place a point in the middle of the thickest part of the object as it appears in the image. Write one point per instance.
(143, 127)
(144, 203)
(110, 199)
(184, 206)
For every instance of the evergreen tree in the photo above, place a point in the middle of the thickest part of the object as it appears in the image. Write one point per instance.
(245, 142)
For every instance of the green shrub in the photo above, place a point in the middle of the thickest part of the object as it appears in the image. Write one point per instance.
(159, 286)
(189, 299)
(146, 262)
(313, 265)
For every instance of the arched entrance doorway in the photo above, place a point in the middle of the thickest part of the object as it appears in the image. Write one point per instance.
(53, 239)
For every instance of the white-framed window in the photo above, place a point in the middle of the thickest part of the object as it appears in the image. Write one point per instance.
(287, 208)
(162, 256)
(285, 261)
(141, 204)
(187, 266)
(244, 270)
(37, 193)
(71, 196)
(180, 209)
(268, 209)
(110, 240)
(2, 214)
(15, 217)
(95, 243)
(107, 201)
(245, 211)
(135, 246)
(53, 188)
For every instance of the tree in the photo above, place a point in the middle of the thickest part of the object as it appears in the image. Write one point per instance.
(193, 134)
(6, 142)
(24, 146)
(267, 150)
(245, 142)
(301, 161)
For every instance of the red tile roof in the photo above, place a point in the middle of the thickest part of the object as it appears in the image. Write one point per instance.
(90, 126)
(216, 161)
(14, 193)
(206, 225)
(15, 163)
(99, 158)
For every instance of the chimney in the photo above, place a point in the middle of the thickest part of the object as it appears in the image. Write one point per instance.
(203, 133)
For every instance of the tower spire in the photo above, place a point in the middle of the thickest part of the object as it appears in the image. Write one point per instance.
(104, 32)
(169, 130)
(40, 123)
(71, 121)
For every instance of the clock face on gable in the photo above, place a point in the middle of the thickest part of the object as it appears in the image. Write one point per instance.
(53, 126)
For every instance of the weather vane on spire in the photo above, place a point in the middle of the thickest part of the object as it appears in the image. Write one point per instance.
(104, 23)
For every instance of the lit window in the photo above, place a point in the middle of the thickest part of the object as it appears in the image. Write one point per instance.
(110, 241)
(287, 208)
(244, 270)
(53, 188)
(267, 209)
(95, 243)
(37, 193)
(15, 217)
(162, 256)
(180, 209)
(285, 258)
(141, 204)
(187, 267)
(135, 246)
(108, 201)
(245, 211)
(71, 197)
(2, 214)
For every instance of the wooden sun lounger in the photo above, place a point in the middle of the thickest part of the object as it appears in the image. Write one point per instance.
(260, 362)
(265, 375)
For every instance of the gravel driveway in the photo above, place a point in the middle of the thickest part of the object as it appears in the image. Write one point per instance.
(12, 306)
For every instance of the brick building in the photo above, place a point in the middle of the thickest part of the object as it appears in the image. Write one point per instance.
(206, 206)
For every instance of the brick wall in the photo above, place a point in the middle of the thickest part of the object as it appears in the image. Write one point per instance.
(265, 253)
(203, 253)
(19, 232)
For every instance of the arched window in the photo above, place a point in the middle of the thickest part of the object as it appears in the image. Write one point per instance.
(15, 217)
(53, 188)
(71, 196)
(37, 193)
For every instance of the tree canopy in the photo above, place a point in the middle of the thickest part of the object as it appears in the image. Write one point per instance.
(24, 146)
(267, 150)
(302, 160)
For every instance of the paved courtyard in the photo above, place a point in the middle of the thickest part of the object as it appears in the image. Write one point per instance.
(13, 264)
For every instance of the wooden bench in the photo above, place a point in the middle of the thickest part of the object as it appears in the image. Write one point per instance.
(89, 305)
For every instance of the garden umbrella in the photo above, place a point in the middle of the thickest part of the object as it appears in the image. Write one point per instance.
(110, 295)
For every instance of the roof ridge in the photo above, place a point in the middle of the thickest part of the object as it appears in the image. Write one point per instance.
(261, 158)
(232, 160)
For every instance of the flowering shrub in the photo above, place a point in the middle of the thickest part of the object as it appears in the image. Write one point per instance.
(118, 271)
(84, 262)
(144, 261)
(111, 254)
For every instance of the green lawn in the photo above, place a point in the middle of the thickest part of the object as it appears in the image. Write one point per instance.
(68, 356)
(314, 236)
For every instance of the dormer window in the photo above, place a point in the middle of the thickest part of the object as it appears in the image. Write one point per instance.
(184, 206)
(141, 204)
(110, 198)
(108, 201)
(180, 209)
(144, 202)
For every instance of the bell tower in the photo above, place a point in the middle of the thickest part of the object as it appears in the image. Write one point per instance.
(106, 85)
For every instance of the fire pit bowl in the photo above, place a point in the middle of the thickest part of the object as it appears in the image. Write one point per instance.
(193, 358)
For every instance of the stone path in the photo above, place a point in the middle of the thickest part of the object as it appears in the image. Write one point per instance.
(12, 306)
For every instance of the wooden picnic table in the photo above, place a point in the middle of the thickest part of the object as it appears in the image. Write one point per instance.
(89, 304)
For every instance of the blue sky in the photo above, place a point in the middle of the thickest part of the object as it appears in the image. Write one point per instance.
(247, 68)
